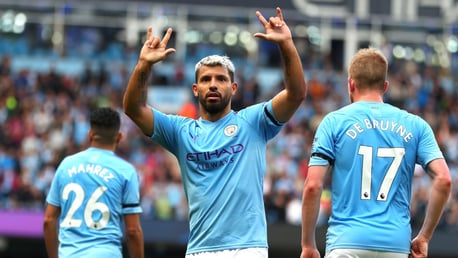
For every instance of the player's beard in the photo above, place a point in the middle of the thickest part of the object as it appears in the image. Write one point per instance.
(215, 107)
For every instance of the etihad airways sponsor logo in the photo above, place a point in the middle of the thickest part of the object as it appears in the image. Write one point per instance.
(215, 155)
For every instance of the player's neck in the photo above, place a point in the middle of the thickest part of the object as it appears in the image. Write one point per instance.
(369, 97)
(213, 117)
(109, 147)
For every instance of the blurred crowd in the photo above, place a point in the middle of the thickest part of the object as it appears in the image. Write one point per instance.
(44, 117)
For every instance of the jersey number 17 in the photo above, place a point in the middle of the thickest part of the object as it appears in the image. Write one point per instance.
(367, 153)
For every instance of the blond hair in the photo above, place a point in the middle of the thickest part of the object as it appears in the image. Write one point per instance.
(368, 69)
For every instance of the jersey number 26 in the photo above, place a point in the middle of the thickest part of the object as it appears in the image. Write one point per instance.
(91, 207)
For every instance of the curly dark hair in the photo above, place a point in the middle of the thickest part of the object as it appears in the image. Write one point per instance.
(105, 123)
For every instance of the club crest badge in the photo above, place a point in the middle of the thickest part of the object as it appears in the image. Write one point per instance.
(230, 130)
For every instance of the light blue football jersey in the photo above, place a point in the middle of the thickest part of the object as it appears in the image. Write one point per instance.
(94, 189)
(373, 149)
(223, 166)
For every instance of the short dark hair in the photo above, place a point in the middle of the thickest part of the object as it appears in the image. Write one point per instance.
(105, 123)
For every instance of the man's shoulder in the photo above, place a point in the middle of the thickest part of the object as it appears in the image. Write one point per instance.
(252, 108)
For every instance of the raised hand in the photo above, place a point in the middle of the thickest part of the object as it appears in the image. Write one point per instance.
(276, 28)
(154, 49)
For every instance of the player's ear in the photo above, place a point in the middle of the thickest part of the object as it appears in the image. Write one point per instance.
(194, 90)
(119, 137)
(351, 84)
(385, 86)
(235, 86)
(90, 135)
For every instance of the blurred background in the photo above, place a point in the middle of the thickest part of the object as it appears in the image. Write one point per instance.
(58, 59)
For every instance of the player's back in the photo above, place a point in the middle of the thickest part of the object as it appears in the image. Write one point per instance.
(89, 189)
(376, 147)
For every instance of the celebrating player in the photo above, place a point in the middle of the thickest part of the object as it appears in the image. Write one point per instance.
(222, 154)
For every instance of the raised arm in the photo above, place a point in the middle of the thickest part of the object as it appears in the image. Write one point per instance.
(286, 102)
(439, 195)
(154, 50)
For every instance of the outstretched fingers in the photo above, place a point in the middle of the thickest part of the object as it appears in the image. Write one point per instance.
(279, 14)
(165, 41)
(274, 27)
(149, 32)
(261, 18)
(149, 37)
(278, 20)
(167, 37)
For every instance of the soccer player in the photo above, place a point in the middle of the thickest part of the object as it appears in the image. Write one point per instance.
(92, 192)
(370, 149)
(222, 154)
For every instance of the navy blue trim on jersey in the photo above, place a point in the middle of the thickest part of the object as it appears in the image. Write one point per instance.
(320, 155)
(130, 205)
(271, 117)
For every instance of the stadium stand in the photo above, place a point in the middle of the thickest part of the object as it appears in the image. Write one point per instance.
(47, 88)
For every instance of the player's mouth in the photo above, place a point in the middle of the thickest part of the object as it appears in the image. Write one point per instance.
(213, 96)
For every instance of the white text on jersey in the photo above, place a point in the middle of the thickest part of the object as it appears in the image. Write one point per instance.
(92, 169)
(384, 125)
